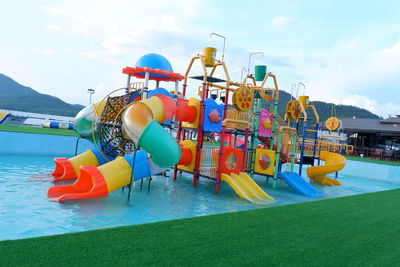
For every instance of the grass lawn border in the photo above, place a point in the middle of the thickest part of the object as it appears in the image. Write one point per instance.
(37, 130)
(360, 230)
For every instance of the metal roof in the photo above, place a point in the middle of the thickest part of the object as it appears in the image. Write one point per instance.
(370, 126)
(209, 79)
(391, 120)
(37, 115)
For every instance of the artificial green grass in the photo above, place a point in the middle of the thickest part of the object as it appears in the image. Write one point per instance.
(36, 130)
(360, 230)
(378, 161)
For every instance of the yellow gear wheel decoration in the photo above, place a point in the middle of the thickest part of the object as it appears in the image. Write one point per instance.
(332, 123)
(293, 110)
(243, 98)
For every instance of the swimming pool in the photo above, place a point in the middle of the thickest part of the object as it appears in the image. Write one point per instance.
(25, 210)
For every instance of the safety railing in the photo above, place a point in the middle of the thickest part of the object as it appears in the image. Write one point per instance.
(323, 145)
(209, 160)
(236, 119)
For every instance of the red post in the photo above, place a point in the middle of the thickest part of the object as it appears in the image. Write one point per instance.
(199, 145)
(178, 139)
(246, 137)
(178, 135)
(183, 134)
(184, 89)
(221, 144)
(221, 152)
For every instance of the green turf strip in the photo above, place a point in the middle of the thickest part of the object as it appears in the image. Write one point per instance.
(378, 161)
(362, 230)
(37, 130)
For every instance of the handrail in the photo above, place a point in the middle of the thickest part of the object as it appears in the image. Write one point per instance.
(330, 135)
(203, 65)
(224, 122)
(282, 128)
(315, 112)
(304, 112)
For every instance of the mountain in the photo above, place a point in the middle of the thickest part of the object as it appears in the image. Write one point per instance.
(14, 96)
(325, 109)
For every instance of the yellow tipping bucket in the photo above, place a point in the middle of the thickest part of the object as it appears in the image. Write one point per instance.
(209, 56)
(303, 100)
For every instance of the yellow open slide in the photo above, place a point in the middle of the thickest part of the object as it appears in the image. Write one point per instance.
(333, 162)
(246, 188)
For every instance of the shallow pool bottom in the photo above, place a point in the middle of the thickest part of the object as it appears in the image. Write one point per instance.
(25, 210)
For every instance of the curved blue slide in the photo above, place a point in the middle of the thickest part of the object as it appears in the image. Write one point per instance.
(300, 185)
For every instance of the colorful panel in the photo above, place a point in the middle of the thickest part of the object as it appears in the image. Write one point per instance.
(192, 146)
(265, 123)
(195, 103)
(213, 116)
(265, 161)
(231, 160)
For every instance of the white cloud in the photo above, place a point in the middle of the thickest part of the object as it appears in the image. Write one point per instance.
(346, 74)
(130, 28)
(45, 51)
(362, 102)
(54, 9)
(281, 21)
(111, 35)
(56, 28)
(372, 105)
(389, 109)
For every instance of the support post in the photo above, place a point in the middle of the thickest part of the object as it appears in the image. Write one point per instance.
(76, 145)
(315, 142)
(146, 85)
(246, 138)
(179, 132)
(271, 146)
(199, 145)
(277, 158)
(255, 135)
(294, 145)
(303, 140)
(220, 153)
(132, 174)
(128, 83)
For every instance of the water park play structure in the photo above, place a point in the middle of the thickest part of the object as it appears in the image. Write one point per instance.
(229, 134)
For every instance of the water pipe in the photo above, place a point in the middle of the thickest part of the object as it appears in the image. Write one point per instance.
(250, 55)
(223, 49)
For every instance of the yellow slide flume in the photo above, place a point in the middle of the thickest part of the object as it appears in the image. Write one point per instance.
(333, 162)
(246, 188)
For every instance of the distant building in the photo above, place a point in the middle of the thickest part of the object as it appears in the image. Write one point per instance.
(370, 134)
(11, 117)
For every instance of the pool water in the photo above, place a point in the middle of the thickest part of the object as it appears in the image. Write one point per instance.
(25, 210)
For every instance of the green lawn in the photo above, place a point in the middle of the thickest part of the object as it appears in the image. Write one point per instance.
(360, 230)
(378, 161)
(36, 130)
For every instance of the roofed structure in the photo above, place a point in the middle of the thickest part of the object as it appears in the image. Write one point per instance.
(390, 126)
(373, 135)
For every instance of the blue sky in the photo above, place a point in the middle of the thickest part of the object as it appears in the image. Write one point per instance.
(346, 52)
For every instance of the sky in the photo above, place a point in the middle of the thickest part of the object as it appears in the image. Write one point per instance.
(345, 52)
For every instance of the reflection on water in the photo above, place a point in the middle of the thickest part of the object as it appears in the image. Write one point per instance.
(25, 210)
